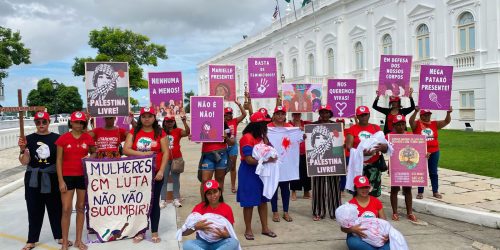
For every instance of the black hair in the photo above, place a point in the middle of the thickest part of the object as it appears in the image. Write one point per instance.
(156, 129)
(85, 123)
(221, 199)
(165, 127)
(257, 129)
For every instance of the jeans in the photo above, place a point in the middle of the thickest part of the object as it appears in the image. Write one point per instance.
(175, 177)
(356, 243)
(199, 243)
(432, 165)
(285, 196)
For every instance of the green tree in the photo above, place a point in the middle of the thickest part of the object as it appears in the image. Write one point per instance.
(12, 51)
(134, 103)
(187, 101)
(56, 97)
(116, 45)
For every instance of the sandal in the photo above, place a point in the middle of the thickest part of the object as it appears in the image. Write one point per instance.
(395, 217)
(420, 196)
(60, 241)
(28, 246)
(249, 236)
(287, 217)
(155, 239)
(437, 195)
(276, 218)
(412, 218)
(138, 238)
(81, 246)
(316, 218)
(269, 234)
(233, 190)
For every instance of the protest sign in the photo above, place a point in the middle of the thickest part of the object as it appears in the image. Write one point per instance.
(342, 97)
(165, 92)
(262, 78)
(222, 81)
(394, 75)
(107, 88)
(435, 87)
(325, 149)
(299, 97)
(119, 196)
(408, 163)
(207, 119)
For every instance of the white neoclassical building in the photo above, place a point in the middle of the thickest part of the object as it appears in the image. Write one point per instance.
(345, 38)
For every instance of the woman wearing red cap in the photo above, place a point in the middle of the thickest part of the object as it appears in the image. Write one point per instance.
(368, 207)
(213, 203)
(429, 128)
(147, 138)
(249, 193)
(233, 150)
(108, 139)
(395, 108)
(41, 188)
(304, 181)
(71, 148)
(174, 135)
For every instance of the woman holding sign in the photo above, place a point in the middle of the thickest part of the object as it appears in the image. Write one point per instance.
(147, 138)
(394, 109)
(429, 128)
(71, 148)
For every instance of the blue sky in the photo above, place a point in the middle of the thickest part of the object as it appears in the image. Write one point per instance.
(57, 31)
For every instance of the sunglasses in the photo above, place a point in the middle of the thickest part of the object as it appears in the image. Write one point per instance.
(40, 122)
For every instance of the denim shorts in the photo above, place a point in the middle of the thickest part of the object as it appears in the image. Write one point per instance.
(209, 161)
(233, 150)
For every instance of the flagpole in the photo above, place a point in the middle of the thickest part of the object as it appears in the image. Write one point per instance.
(279, 13)
(294, 11)
(314, 14)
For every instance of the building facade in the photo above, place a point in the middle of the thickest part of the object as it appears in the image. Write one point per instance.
(345, 38)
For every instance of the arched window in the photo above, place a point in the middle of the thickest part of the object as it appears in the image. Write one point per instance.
(331, 69)
(294, 67)
(466, 32)
(310, 63)
(387, 44)
(358, 52)
(423, 42)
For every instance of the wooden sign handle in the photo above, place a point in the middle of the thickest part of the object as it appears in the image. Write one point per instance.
(21, 120)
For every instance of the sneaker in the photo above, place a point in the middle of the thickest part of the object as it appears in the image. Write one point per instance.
(177, 203)
(163, 204)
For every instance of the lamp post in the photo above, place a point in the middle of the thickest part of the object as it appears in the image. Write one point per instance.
(55, 85)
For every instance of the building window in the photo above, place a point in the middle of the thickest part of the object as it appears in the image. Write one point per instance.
(387, 44)
(294, 68)
(467, 99)
(331, 69)
(310, 62)
(358, 51)
(466, 32)
(423, 42)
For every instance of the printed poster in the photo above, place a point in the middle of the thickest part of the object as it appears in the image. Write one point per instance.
(435, 87)
(342, 97)
(325, 149)
(394, 76)
(408, 163)
(166, 93)
(107, 87)
(302, 97)
(120, 121)
(262, 77)
(207, 119)
(222, 81)
(119, 196)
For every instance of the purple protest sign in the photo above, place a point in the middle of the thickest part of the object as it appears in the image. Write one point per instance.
(394, 76)
(222, 81)
(435, 87)
(342, 97)
(121, 122)
(408, 163)
(207, 119)
(165, 91)
(262, 78)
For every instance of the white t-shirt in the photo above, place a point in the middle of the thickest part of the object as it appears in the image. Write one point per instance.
(286, 140)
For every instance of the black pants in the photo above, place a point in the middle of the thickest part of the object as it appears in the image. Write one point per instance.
(304, 181)
(36, 203)
(326, 195)
(155, 210)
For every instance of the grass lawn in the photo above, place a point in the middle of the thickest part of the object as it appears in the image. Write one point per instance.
(471, 152)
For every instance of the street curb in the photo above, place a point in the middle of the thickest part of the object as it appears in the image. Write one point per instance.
(481, 218)
(9, 188)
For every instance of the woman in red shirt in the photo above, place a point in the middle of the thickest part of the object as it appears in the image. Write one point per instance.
(394, 109)
(108, 139)
(71, 148)
(147, 138)
(429, 128)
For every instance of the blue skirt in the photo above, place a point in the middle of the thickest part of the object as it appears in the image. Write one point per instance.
(250, 187)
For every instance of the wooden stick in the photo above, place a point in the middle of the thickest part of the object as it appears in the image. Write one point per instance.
(21, 120)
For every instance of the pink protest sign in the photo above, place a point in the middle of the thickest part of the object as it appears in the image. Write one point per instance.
(262, 78)
(120, 121)
(342, 97)
(435, 87)
(165, 92)
(222, 81)
(207, 119)
(302, 97)
(408, 163)
(394, 75)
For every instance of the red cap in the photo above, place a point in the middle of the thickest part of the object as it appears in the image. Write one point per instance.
(228, 110)
(325, 107)
(263, 111)
(78, 116)
(210, 184)
(145, 110)
(42, 116)
(169, 118)
(361, 181)
(362, 110)
(259, 117)
(398, 118)
(394, 99)
(280, 108)
(425, 111)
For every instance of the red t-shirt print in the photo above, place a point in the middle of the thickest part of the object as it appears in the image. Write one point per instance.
(363, 132)
(74, 149)
(174, 139)
(223, 209)
(145, 141)
(371, 210)
(430, 130)
(108, 140)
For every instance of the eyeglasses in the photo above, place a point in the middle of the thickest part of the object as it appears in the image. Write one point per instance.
(40, 122)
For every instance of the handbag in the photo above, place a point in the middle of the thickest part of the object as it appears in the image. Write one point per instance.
(178, 165)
